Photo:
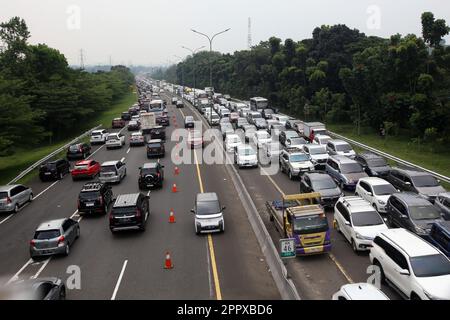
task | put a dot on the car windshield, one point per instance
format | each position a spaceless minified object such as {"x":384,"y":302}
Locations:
{"x":343,"y":147}
{"x":267,"y":111}
{"x":323,"y":184}
{"x":365,"y":219}
{"x":298,"y":158}
{"x":425,"y":181}
{"x":283,"y":119}
{"x":108,"y":169}
{"x":291,"y":134}
{"x":351,"y":168}
{"x":434,"y":265}
{"x":247,"y":152}
{"x":46,"y":234}
{"x":298,"y":141}
{"x":263,"y":135}
{"x":379,"y":162}
{"x":424,"y":212}
{"x":318,"y":150}
{"x":310,"y":224}
{"x":91,"y":195}
{"x":384,"y":189}
{"x":3,"y":195}
{"x":208,"y":207}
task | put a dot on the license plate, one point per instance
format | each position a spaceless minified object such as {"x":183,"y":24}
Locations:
{"x":89,"y":204}
{"x":312,"y":250}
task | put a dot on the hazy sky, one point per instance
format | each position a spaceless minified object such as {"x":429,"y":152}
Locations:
{"x":152,"y":31}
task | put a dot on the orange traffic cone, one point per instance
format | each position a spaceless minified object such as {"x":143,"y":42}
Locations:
{"x":174,"y":188}
{"x":168,"y":262}
{"x":176,"y":171}
{"x":171,"y":217}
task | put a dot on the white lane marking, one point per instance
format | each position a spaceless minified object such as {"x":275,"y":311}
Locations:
{"x":128,"y":151}
{"x":122,"y":160}
{"x":46,"y":189}
{"x":119,"y":280}
{"x":16,"y":276}
{"x":7,"y":218}
{"x":41,"y":268}
{"x":148,"y":193}
{"x":74,"y":214}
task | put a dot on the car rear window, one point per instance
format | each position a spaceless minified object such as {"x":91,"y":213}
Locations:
{"x":108,"y":169}
{"x":123,"y":210}
{"x":89,"y":195}
{"x":3,"y":195}
{"x":46,"y":234}
{"x":113,"y":137}
{"x":154,"y":145}
{"x":74,"y":148}
{"x":96,"y":134}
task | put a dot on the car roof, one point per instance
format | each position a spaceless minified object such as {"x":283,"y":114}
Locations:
{"x":51,"y":224}
{"x":412,"y":245}
{"x":355,"y":203}
{"x":412,"y":173}
{"x":207,"y":196}
{"x":150,"y":165}
{"x":342,"y":159}
{"x":83,"y":162}
{"x":363,"y":291}
{"x":322,"y":136}
{"x":92,"y":186}
{"x":110,"y":163}
{"x":412,"y":199}
{"x":369,"y":155}
{"x":124,"y":200}
{"x":8,"y":187}
{"x":374,"y":181}
{"x":318,"y":175}
{"x":337,"y":141}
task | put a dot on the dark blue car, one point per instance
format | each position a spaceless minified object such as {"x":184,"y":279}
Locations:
{"x":440,"y":236}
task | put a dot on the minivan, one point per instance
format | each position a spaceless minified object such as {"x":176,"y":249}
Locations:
{"x":208,"y":213}
{"x":346,"y":172}
{"x":129,"y":212}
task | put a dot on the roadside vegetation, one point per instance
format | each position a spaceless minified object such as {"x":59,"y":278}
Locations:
{"x":399,"y":85}
{"x":44,"y":103}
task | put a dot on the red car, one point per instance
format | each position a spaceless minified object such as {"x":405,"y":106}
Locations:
{"x":85,"y":169}
{"x":118,"y":123}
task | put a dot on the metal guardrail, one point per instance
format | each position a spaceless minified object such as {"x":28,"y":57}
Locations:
{"x":51,"y":155}
{"x":391,"y":157}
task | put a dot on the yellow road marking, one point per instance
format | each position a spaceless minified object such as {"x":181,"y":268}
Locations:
{"x":340,"y":267}
{"x":210,"y":240}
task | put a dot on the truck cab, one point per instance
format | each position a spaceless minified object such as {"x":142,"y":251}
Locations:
{"x":300,"y":218}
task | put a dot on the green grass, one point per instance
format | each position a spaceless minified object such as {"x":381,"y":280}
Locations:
{"x":401,"y":147}
{"x":12,"y":165}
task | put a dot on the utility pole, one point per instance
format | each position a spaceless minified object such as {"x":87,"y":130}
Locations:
{"x":193,"y":67}
{"x":182,"y":73}
{"x":81,"y":60}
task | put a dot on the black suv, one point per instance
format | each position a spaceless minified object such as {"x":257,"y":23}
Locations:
{"x":373,"y":164}
{"x":126,"y":116}
{"x":158,"y":132}
{"x":163,"y":120}
{"x":130,"y":211}
{"x":151,"y":175}
{"x":78,"y":151}
{"x":95,"y":197}
{"x":155,"y":148}
{"x":54,"y":169}
{"x":410,"y":211}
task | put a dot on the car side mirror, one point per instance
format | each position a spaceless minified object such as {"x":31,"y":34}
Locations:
{"x":408,"y":183}
{"x":404,"y":272}
{"x":223,"y":208}
{"x":347,"y":223}
{"x":192,"y":210}
{"x":385,"y":219}
{"x":370,"y":194}
{"x":403,"y":216}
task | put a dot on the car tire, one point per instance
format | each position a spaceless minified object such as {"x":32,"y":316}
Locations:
{"x":67,"y":251}
{"x":382,"y":275}
{"x":16,"y":208}
{"x":60,"y":176}
{"x":291,"y":177}
{"x":354,"y":247}
{"x":197,"y":232}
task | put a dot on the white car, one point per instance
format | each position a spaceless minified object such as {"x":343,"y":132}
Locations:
{"x":213,"y":119}
{"x":281,"y":119}
{"x":296,"y":142}
{"x":321,"y":139}
{"x":340,"y":148}
{"x":112,"y":172}
{"x":261,"y":137}
{"x":232,"y":141}
{"x":358,"y":221}
{"x":137,"y":139}
{"x":376,"y":191}
{"x":115,"y":140}
{"x":359,"y":291}
{"x":98,"y":136}
{"x":409,"y":263}
{"x":245,"y":156}
{"x":318,"y":154}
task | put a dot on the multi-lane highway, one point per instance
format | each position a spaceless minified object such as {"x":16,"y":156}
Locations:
{"x":316,"y":277}
{"x":129,"y":265}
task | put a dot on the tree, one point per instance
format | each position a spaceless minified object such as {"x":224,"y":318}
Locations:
{"x":433,"y":30}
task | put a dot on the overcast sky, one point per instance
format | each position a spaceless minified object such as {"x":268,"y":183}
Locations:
{"x":151,"y":32}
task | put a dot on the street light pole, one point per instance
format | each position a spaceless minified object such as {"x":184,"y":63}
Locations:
{"x":182,"y":73}
{"x":193,"y":66}
{"x":210,"y":39}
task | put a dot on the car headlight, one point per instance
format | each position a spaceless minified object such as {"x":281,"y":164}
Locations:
{"x":358,"y":236}
{"x":374,"y":173}
{"x":381,"y":202}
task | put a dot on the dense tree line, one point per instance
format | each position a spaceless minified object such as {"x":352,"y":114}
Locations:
{"x":341,"y":75}
{"x":41,"y":97}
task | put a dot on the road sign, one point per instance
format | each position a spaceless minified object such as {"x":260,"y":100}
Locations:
{"x":287,"y":248}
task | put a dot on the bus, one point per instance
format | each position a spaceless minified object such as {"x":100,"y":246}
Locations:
{"x":258,"y":103}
